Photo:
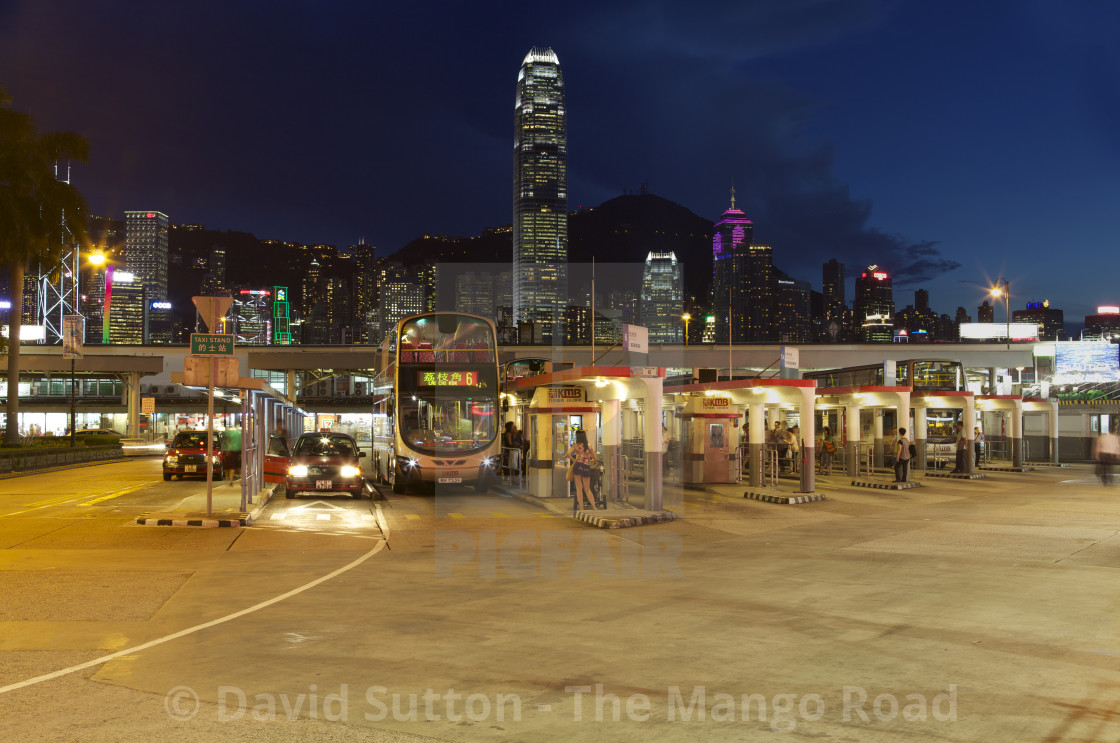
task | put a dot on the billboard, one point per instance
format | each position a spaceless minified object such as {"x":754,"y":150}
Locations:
{"x":1020,"y":331}
{"x":1078,"y":362}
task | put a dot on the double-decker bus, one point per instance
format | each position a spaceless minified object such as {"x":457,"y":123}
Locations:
{"x":921,"y":375}
{"x":435,"y":403}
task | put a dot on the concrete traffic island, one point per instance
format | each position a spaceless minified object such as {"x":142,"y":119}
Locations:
{"x":957,"y":475}
{"x":622,"y":518}
{"x":1046,"y":464}
{"x":1006,"y":468}
{"x":774,"y":497}
{"x":222,"y":513}
{"x":886,"y":485}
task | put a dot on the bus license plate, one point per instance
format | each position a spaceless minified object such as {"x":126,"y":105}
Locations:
{"x":190,"y":468}
{"x":322,"y":484}
{"x":449,"y":480}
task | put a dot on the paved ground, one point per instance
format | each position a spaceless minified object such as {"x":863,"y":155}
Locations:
{"x":960,"y":611}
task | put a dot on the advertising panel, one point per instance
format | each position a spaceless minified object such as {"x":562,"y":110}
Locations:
{"x":1077,"y":362}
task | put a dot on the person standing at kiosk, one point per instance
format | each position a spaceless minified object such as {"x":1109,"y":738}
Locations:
{"x":582,"y":456}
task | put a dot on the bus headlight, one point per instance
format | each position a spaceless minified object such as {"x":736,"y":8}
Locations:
{"x":490,"y":462}
{"x":406,"y":463}
{"x":298,"y":470}
{"x":349,"y":471}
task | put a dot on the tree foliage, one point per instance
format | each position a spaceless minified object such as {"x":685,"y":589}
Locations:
{"x":40,"y":216}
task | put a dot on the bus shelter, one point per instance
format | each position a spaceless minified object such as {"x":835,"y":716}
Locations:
{"x":609,"y":403}
{"x":1014,"y":407}
{"x":852,"y":402}
{"x":923,"y":402}
{"x":1050,"y":409}
{"x":709,"y":415}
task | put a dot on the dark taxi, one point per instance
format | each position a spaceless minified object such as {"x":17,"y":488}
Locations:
{"x":186,"y":455}
{"x":325,"y":463}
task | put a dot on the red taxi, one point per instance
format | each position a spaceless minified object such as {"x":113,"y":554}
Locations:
{"x":186,"y":455}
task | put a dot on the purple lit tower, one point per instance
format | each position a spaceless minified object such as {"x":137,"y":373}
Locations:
{"x":731,"y":240}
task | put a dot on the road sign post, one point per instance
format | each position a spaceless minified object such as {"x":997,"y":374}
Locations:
{"x":212,"y":310}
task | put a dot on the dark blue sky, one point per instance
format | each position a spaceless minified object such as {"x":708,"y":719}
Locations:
{"x":949,"y":142}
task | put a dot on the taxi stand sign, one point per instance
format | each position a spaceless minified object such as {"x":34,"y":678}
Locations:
{"x":211,"y":344}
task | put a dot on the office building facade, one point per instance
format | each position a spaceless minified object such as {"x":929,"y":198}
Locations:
{"x":145,"y":257}
{"x":662,"y":300}
{"x":873,"y":309}
{"x":540,"y":194}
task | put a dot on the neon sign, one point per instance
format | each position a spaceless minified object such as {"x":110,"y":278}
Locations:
{"x":150,"y":215}
{"x":447,"y":379}
{"x":880,"y":275}
{"x":1108,"y":309}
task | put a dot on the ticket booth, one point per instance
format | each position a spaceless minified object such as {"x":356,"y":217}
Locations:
{"x":710,"y":439}
{"x":555,"y":414}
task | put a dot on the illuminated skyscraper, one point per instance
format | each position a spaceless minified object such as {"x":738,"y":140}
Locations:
{"x":540,"y":194}
{"x":731,"y":240}
{"x":145,"y":256}
{"x":663,"y":298}
{"x":874,"y":305}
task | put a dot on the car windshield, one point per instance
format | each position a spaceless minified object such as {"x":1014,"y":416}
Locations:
{"x":325,"y":446}
{"x":191,"y":440}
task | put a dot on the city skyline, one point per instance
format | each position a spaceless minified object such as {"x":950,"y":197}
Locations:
{"x":847,"y":128}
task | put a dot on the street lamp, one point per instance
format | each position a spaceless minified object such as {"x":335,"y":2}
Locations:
{"x":686,"y":317}
{"x":1004,"y":292}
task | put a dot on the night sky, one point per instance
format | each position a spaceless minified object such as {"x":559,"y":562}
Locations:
{"x":949,"y":142}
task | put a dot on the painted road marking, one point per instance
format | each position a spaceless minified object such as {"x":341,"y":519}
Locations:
{"x":323,"y":516}
{"x":412,"y":517}
{"x":367,"y":517}
{"x":500,"y":515}
{"x":279,"y":516}
{"x":456,"y":515}
{"x":198,"y":627}
{"x":116,"y":494}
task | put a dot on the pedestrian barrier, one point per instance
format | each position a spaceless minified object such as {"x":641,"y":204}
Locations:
{"x":512,"y":471}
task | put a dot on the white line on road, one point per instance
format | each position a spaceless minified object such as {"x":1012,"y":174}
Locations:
{"x":198,"y":627}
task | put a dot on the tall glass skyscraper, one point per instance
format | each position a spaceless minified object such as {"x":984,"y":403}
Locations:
{"x":663,"y":298}
{"x":540,"y":195}
{"x":145,"y":255}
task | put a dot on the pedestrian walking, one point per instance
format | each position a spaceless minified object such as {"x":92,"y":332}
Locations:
{"x":902,"y":457}
{"x":962,"y":450}
{"x":231,"y":454}
{"x":1106,"y":450}
{"x":978,"y":444}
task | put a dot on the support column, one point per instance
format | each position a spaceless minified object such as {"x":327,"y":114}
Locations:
{"x":808,"y":439}
{"x":902,"y":415}
{"x":877,"y":428}
{"x":756,"y":440}
{"x":992,"y":380}
{"x":612,"y":445}
{"x":293,"y":385}
{"x":1052,"y":424}
{"x":1017,"y":434}
{"x":651,"y":442}
{"x":852,"y":447}
{"x":969,"y":424}
{"x":920,"y":429}
{"x":134,"y":404}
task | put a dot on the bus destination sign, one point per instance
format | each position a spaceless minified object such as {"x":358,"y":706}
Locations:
{"x":447,"y":378}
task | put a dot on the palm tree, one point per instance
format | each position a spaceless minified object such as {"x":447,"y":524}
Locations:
{"x":38,"y":213}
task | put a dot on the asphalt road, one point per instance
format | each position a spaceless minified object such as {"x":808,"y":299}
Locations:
{"x":959,"y":611}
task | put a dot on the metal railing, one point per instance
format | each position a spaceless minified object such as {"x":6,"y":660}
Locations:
{"x":512,"y":471}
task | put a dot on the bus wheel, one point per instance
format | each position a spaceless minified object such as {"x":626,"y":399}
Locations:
{"x":398,"y":486}
{"x":480,"y":486}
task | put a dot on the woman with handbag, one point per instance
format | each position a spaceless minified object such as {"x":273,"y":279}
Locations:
{"x":581,"y":455}
{"x":828,"y":449}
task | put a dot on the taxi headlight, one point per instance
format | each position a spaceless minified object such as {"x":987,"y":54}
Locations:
{"x":298,"y":470}
{"x":350,"y":471}
{"x":172,"y":459}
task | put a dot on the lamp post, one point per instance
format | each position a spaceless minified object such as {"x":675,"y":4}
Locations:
{"x":686,"y":317}
{"x":1004,"y":292}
